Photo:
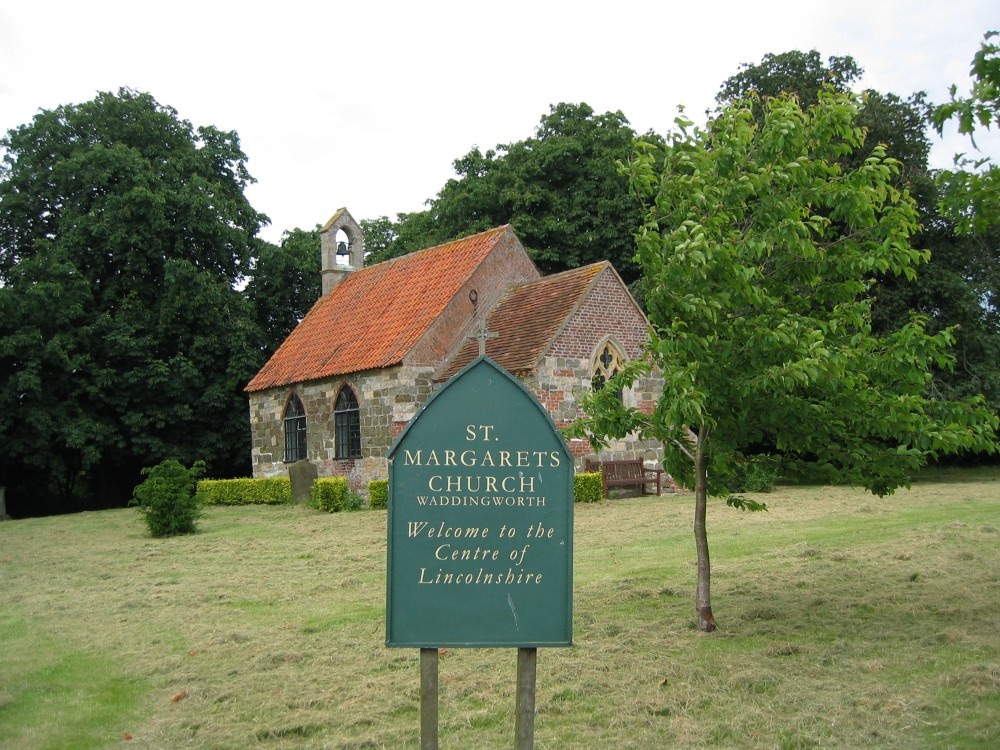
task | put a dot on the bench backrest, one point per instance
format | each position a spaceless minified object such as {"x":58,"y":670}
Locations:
{"x":626,"y":469}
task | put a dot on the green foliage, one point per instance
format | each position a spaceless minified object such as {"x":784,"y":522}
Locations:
{"x":167,"y":499}
{"x":753,"y":474}
{"x":333,"y":494}
{"x":284,"y":284}
{"x":958,"y":287}
{"x":353,"y":501}
{"x":587,"y":487}
{"x":378,"y":494}
{"x":801,"y":73}
{"x":743,"y":503}
{"x":969,"y":193}
{"x":245,"y":491}
{"x":561,"y":190}
{"x":381,"y":236}
{"x":123,"y":232}
{"x":759,"y":249}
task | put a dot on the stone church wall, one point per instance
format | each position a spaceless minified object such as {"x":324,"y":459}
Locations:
{"x":387,"y":400}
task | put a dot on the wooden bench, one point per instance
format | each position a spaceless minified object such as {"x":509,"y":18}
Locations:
{"x":629,"y":472}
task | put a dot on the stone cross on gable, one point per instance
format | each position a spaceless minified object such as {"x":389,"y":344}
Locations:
{"x":482,"y":336}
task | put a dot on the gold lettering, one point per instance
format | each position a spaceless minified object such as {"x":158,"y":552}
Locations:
{"x":445,"y":553}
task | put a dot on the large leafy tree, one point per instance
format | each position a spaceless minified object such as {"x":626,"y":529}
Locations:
{"x":561,"y":190}
{"x":804,"y":74}
{"x":123,"y":341}
{"x":759,"y":249}
{"x":967,"y":291}
{"x":284,"y":283}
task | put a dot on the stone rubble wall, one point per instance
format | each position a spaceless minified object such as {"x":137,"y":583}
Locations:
{"x":387,"y":400}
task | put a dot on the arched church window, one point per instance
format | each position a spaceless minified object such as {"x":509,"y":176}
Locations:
{"x":609,"y":362}
{"x":347,"y":425}
{"x":295,"y":430}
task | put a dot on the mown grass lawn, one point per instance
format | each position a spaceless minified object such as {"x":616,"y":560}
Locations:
{"x":846,"y":621}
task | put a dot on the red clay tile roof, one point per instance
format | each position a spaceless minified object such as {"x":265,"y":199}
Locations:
{"x":528,"y":318}
{"x":375,"y":315}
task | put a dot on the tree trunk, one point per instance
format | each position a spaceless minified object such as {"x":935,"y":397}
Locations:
{"x":703,"y":596}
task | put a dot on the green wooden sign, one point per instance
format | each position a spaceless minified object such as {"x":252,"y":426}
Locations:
{"x":480,"y":531}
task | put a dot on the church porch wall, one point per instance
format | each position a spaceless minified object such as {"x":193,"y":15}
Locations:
{"x":588,"y":327}
{"x":560,"y":383}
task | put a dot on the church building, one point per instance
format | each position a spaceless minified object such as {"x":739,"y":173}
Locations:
{"x":378,"y":342}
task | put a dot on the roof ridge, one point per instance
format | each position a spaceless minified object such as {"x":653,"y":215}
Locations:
{"x":441,"y":246}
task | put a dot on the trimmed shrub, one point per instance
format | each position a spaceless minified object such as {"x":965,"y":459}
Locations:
{"x":332,"y":494}
{"x":168,"y":499}
{"x":266,"y":491}
{"x":378,"y":494}
{"x":587,"y":487}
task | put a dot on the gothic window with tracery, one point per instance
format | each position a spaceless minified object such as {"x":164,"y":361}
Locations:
{"x":608,"y":363}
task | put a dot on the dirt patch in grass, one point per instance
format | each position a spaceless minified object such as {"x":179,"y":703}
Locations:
{"x":846,"y":621}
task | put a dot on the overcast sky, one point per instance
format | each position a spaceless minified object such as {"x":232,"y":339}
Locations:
{"x":366,"y":104}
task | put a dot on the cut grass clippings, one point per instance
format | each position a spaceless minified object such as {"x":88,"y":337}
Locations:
{"x":845,"y":621}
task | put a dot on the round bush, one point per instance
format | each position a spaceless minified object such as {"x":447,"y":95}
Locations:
{"x":167,"y":499}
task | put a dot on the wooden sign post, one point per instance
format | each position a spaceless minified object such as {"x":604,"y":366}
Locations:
{"x":480,"y":532}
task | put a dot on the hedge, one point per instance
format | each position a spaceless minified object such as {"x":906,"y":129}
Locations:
{"x":588,"y":487}
{"x":267,"y":491}
{"x":378,"y":494}
{"x":333,"y":494}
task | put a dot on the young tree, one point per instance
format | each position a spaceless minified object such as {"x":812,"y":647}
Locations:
{"x":123,"y":232}
{"x":758,"y":250}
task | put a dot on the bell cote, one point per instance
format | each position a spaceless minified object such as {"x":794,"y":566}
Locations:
{"x":342,"y":246}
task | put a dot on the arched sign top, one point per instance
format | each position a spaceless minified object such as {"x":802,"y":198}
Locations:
{"x":486,"y":388}
{"x":480,"y":531}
